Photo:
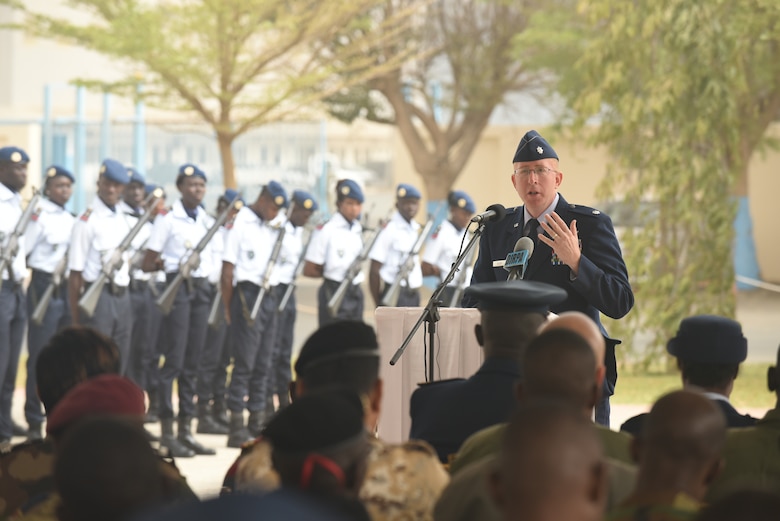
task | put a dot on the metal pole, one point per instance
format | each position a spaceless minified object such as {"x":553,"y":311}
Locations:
{"x":80,"y":147}
{"x":139,"y":132}
{"x":105,"y":127}
{"x":47,"y":134}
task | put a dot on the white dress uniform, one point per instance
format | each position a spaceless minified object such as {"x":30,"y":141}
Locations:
{"x":391,"y":250}
{"x":442,"y":250}
{"x":13,"y":315}
{"x":47,"y":240}
{"x":334,"y":246}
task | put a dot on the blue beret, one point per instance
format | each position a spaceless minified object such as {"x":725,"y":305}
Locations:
{"x":463,"y":200}
{"x":709,"y":339}
{"x":230,"y":195}
{"x":532,"y":148}
{"x":305,"y":199}
{"x":277,"y":193}
{"x":151,"y":187}
{"x":189,"y":170}
{"x":349,"y":188}
{"x":13,"y":155}
{"x":114,"y":171}
{"x":407,"y":191}
{"x":135,"y":176}
{"x":516,"y":295}
{"x":54,"y":171}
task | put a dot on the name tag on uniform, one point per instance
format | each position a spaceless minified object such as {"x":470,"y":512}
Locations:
{"x":499,"y":263}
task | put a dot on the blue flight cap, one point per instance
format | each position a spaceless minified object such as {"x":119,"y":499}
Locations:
{"x":114,"y":171}
{"x":532,"y":148}
{"x":709,"y":339}
{"x":349,"y":188}
{"x":13,"y":155}
{"x":277,"y":193}
{"x":135,"y":176}
{"x":54,"y":171}
{"x":305,"y":199}
{"x":407,"y":191}
{"x":461,"y":199}
{"x":516,"y":295}
{"x":190,"y":170}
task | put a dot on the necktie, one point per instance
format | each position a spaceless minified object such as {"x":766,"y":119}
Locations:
{"x":532,"y":230}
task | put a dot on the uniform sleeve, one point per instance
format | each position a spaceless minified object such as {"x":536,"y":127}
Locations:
{"x":433,"y":249}
{"x":603,"y":278}
{"x":382,"y":245}
{"x":159,"y":235}
{"x":318,"y":247}
{"x":232,"y":244}
{"x":32,"y":234}
{"x":80,"y":240}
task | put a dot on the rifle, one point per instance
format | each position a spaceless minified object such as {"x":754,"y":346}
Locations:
{"x":391,"y":295}
{"x":354,"y":269}
{"x":215,"y":317}
{"x":12,"y":246}
{"x":89,"y":299}
{"x":43,"y":303}
{"x":165,"y":301}
{"x":296,"y":274}
{"x":458,"y":293}
{"x":264,"y":285}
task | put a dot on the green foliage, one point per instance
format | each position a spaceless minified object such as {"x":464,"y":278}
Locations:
{"x":681,"y":94}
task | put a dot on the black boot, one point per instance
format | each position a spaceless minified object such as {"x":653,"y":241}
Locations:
{"x":219,"y":410}
{"x":284,"y":399}
{"x":35,"y":433}
{"x":238,"y":432}
{"x":206,"y":422}
{"x":153,"y":413}
{"x":169,"y":442}
{"x":256,"y":422}
{"x":270,"y":409}
{"x":188,"y":440}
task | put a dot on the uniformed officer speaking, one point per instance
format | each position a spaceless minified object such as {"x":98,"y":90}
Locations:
{"x":13,"y":313}
{"x":247,"y":252}
{"x":334,"y":247}
{"x":46,"y":244}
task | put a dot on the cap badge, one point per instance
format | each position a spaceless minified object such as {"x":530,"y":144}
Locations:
{"x":461,"y":203}
{"x":189,"y":170}
{"x":16,"y":157}
{"x":279,"y":200}
{"x":103,"y":169}
{"x":308,"y":203}
{"x":129,"y":173}
{"x":401,"y":192}
{"x":539,"y":150}
{"x":345,"y":190}
{"x":51,"y":172}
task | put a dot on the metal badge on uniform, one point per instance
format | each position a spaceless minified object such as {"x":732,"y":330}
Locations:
{"x":340,"y":253}
{"x":250,"y":254}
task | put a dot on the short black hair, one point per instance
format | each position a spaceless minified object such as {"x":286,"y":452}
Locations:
{"x":708,"y":375}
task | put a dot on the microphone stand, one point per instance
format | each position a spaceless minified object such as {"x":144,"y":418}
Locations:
{"x":431,"y":313}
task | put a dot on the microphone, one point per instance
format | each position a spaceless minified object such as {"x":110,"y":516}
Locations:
{"x":494,"y":212}
{"x":517,"y":261}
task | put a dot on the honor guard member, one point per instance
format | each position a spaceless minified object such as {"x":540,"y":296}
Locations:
{"x":443,"y":247}
{"x":333,"y":248}
{"x":13,"y":305}
{"x":576,"y":248}
{"x":212,"y":369}
{"x":301,"y":209}
{"x":446,"y":412}
{"x":96,"y":234}
{"x":247,"y":252}
{"x":393,"y":246}
{"x":173,"y":238}
{"x":46,"y":241}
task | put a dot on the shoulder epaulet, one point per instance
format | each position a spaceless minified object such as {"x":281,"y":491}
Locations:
{"x":320,"y":226}
{"x":229,"y":225}
{"x":512,"y":210}
{"x":584,"y":210}
{"x":164,"y":210}
{"x":437,"y":382}
{"x":85,"y":216}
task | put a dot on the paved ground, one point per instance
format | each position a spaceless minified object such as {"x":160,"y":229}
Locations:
{"x":759,"y":312}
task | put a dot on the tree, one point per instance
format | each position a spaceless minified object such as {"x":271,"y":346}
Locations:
{"x":442,"y":101}
{"x":682,"y":93}
{"x":236,"y":64}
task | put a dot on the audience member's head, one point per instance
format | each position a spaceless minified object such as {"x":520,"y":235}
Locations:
{"x":773,"y":378}
{"x":103,"y":395}
{"x":344,"y":354}
{"x":72,"y":356}
{"x":583,"y":325}
{"x":709,"y":350}
{"x":106,"y":469}
{"x":753,"y":505}
{"x":679,"y":448}
{"x":320,"y":445}
{"x":551,"y":466}
{"x":560,"y":365}
{"x":511,"y":313}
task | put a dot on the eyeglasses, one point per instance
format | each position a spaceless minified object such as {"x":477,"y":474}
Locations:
{"x":540,"y":171}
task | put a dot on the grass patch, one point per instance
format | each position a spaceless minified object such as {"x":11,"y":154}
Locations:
{"x":750,"y":388}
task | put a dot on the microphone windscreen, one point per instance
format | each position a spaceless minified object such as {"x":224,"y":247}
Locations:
{"x":500,"y":211}
{"x":525,"y":243}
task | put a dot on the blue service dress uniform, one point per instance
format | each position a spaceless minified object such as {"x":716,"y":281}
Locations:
{"x":47,"y":239}
{"x":602,"y":282}
{"x":391,"y":249}
{"x":13,"y":312}
{"x":335,"y":245}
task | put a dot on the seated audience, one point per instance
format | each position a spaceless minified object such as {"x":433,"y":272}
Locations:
{"x":748,"y":505}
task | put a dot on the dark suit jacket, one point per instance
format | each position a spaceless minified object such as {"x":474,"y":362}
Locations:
{"x":733,"y":419}
{"x":602,"y":282}
{"x":447,"y":412}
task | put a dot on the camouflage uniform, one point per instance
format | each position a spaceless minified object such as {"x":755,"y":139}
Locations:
{"x":402,"y":482}
{"x":25,"y":473}
{"x":683,"y":508}
{"x":488,"y":441}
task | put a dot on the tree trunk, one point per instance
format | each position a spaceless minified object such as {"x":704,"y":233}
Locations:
{"x":225,"y":142}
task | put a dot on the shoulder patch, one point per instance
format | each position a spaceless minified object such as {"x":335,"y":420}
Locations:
{"x":85,"y":216}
